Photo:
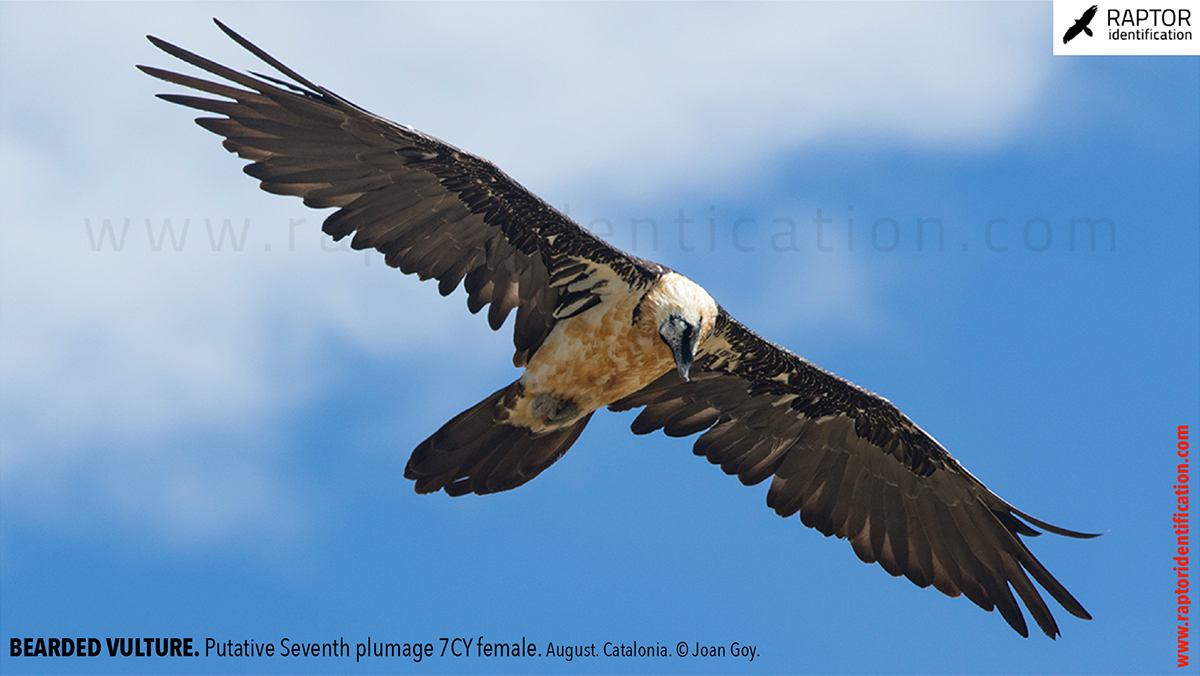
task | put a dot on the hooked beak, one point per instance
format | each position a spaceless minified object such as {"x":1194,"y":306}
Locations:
{"x":683,"y":359}
{"x":679,"y":336}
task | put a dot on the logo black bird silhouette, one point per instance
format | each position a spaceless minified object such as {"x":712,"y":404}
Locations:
{"x":598,"y":327}
{"x":1081,"y":25}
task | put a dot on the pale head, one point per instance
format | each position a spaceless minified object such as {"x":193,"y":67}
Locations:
{"x":684,"y":315}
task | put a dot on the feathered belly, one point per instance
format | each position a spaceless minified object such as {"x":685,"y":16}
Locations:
{"x":589,"y":361}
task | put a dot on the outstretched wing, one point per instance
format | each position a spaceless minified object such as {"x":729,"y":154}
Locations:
{"x":853,"y":466}
{"x":430,"y":208}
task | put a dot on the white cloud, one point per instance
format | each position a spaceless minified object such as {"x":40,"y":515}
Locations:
{"x":108,"y":359}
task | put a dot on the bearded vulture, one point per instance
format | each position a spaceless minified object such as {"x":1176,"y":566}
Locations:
{"x":598,"y":327}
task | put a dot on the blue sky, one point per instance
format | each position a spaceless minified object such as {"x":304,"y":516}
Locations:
{"x":210,"y":443}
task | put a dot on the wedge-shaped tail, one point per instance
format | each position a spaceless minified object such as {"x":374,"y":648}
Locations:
{"x":475,"y":453}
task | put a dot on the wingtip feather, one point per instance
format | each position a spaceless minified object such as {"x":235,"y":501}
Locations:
{"x":1051,"y":528}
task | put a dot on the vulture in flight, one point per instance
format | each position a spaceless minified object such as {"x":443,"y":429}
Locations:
{"x":598,"y":327}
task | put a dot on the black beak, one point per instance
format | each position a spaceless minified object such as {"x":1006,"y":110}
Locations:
{"x":683,"y":358}
{"x":680,"y":336}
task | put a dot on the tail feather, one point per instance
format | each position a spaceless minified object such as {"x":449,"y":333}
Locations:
{"x":472,"y":453}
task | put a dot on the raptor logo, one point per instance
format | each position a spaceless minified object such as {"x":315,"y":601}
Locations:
{"x":1081,"y":25}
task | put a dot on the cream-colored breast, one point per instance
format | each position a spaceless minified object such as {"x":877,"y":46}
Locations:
{"x":602,"y":355}
{"x":593,"y":359}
